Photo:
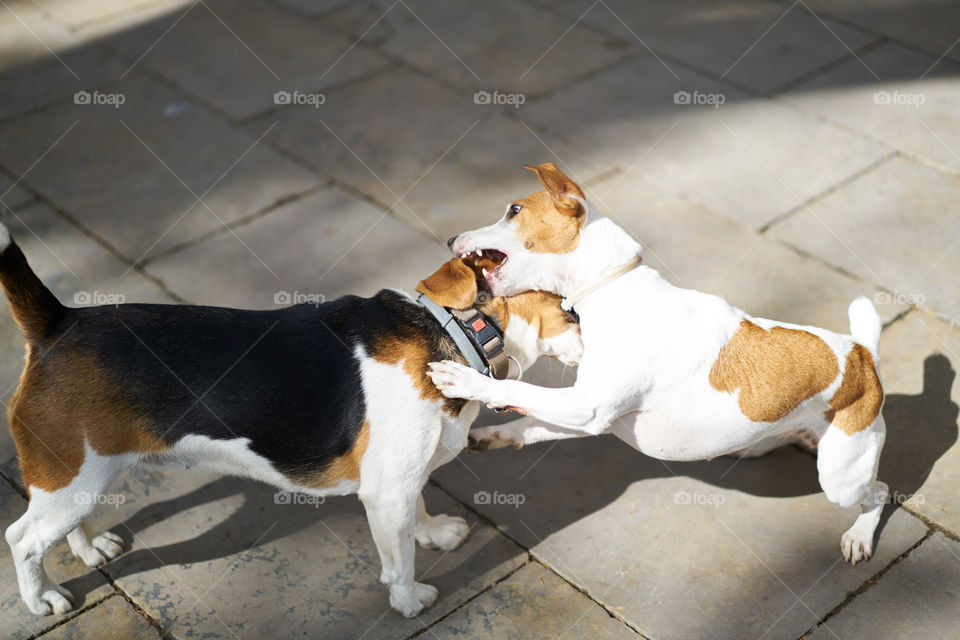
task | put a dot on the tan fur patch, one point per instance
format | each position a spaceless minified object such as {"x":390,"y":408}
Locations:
{"x":774,"y":370}
{"x":857,"y":402}
{"x":345,"y":467}
{"x":547,"y":225}
{"x":56,"y":408}
{"x":538,"y":309}
{"x":414,"y":352}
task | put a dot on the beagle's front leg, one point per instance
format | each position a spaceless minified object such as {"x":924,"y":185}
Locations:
{"x":567,"y":407}
{"x":519,"y":432}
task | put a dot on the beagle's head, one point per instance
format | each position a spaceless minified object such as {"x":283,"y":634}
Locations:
{"x":532,"y":322}
{"x":526,"y":246}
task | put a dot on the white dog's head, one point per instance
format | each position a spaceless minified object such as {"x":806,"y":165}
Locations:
{"x":530,"y":243}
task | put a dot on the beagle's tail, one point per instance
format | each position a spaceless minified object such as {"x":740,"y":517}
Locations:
{"x":865,"y":324}
{"x":34,"y":308}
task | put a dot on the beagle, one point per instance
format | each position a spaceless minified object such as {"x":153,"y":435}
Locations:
{"x":327,"y":399}
{"x":676,"y":373}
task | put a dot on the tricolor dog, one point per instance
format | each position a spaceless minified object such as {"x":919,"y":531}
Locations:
{"x":327,"y":399}
{"x":678,"y":374}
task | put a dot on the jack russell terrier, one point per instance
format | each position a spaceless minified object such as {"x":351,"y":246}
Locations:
{"x":327,"y":399}
{"x":676,"y":373}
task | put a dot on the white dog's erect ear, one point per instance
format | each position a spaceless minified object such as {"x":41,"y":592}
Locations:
{"x":453,"y":285}
{"x":557,"y":183}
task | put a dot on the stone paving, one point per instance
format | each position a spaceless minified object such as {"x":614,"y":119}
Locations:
{"x":786,"y":155}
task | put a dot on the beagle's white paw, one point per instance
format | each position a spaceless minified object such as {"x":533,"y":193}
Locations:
{"x":410,"y":600}
{"x":442,"y":532}
{"x":52,"y":598}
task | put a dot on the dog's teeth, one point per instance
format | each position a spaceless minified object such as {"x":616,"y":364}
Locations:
{"x":484,"y":272}
{"x":479,"y":253}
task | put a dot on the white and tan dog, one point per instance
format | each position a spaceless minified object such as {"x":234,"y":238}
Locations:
{"x":676,"y":373}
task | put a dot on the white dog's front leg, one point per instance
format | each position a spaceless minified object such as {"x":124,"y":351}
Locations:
{"x":566,"y":407}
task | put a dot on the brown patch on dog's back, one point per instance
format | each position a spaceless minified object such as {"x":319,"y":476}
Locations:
{"x":62,"y":402}
{"x":858,"y":401}
{"x":345,"y":467}
{"x":774,"y":370}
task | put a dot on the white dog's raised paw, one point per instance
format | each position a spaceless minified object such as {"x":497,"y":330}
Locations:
{"x":457,"y":381}
{"x":410,"y":600}
{"x":442,"y":532}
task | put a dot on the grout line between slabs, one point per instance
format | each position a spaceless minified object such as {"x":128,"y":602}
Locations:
{"x":74,"y":613}
{"x":870,"y":582}
{"x":532,"y":558}
{"x":830,"y":190}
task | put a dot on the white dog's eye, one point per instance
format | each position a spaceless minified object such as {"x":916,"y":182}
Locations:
{"x":513,"y":210}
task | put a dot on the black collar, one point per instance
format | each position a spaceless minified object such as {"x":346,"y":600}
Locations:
{"x":478,"y":339}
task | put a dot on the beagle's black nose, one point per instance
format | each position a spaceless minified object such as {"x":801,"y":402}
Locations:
{"x":451,"y":241}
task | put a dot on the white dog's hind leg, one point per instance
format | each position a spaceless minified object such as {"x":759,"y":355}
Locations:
{"x":520,"y":432}
{"x":440,"y":531}
{"x":847,"y":465}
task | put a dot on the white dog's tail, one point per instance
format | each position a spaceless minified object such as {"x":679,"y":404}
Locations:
{"x":865,"y":324}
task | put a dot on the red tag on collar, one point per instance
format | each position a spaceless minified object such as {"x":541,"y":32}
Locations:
{"x":478,"y":324}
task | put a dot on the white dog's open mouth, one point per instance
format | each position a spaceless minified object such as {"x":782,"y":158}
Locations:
{"x":484,"y":262}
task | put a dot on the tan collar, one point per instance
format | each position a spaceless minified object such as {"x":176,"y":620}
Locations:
{"x":570,"y":301}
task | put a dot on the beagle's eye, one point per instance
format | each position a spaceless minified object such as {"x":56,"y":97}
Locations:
{"x":513,"y":210}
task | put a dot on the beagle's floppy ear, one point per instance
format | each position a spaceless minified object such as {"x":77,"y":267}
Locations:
{"x":567,"y":193}
{"x":453,"y":285}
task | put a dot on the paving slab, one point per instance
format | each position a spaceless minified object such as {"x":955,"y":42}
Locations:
{"x":119,"y":169}
{"x":449,"y":161}
{"x":930,"y":25}
{"x":923,"y":584}
{"x":113,"y":619}
{"x":318,"y":248}
{"x":494,"y":46}
{"x":103,"y":15}
{"x":754,"y":540}
{"x":760,"y":45}
{"x":531,"y":604}
{"x":13,"y":193}
{"x":895,"y":94}
{"x":693,"y":246}
{"x":79,"y":271}
{"x":236,"y":55}
{"x":919,"y":359}
{"x":895,"y":227}
{"x":87,"y":585}
{"x":221,"y":557}
{"x":747,"y":158}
